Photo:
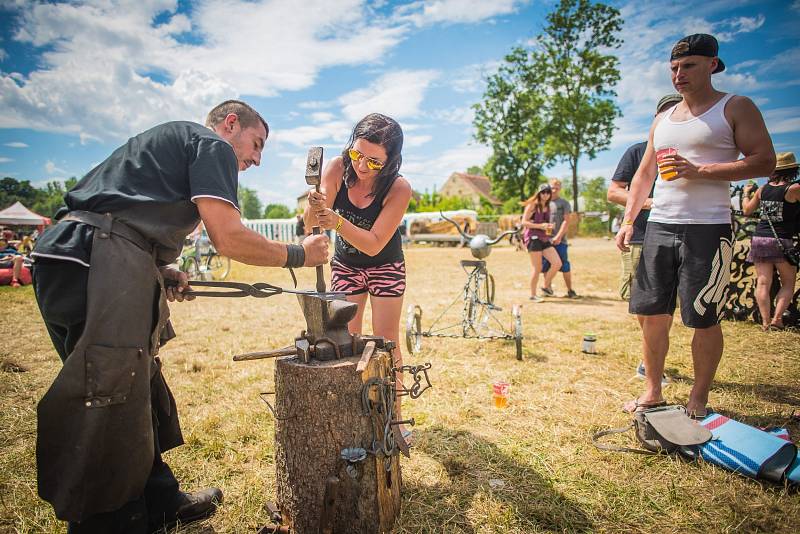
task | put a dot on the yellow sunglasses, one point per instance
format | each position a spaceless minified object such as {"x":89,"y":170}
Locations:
{"x":372,"y":163}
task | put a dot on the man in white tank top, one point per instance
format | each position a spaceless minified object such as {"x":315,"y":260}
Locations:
{"x":693,"y":151}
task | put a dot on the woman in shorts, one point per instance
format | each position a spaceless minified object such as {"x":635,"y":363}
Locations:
{"x":779,"y":199}
{"x":538,"y":231}
{"x":363,"y":197}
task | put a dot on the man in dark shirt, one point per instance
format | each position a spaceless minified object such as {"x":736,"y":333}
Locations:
{"x":99,"y":282}
{"x":618,"y":194}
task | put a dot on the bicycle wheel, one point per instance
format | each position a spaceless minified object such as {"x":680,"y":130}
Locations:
{"x":517,"y":331}
{"x":414,"y":329}
{"x":488,"y":288}
{"x":191,"y":268}
{"x":218,"y":267}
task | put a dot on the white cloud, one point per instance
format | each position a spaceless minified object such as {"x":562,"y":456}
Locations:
{"x":471,"y":78}
{"x":5,"y":160}
{"x":796,"y":5}
{"x":428,"y":12}
{"x":397,"y":94}
{"x":411,"y":141}
{"x":322,"y":116}
{"x":433,"y":169}
{"x":3,"y":54}
{"x":336,"y":131}
{"x":94,"y":80}
{"x":52,"y":169}
{"x":462,"y":115}
{"x":16,"y":144}
{"x":783,"y":120}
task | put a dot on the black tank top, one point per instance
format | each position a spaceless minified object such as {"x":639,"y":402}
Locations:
{"x":364,"y":218}
{"x":784,"y":215}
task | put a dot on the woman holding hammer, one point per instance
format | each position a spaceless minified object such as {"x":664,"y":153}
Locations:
{"x":363,"y":197}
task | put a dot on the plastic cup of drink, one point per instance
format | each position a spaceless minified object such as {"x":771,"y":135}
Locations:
{"x":667,"y":172}
{"x":500,"y":394}
{"x":548,"y":229}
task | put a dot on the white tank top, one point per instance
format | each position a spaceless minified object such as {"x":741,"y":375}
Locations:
{"x":705,"y":139}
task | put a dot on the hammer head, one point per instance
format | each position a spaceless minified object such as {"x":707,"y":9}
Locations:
{"x":314,"y":166}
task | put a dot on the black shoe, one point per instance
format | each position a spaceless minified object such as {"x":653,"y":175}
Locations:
{"x":548,"y":292}
{"x":572,"y":295}
{"x":198,"y":505}
{"x":193,"y":507}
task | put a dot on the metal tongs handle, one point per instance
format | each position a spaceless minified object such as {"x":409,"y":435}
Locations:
{"x":258,"y":290}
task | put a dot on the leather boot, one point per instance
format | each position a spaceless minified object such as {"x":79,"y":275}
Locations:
{"x":193,"y":507}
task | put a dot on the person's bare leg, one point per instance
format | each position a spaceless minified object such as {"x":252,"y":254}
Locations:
{"x":788,"y":275}
{"x":16,"y":273}
{"x":555,"y":265}
{"x":355,"y":324}
{"x":707,"y":345}
{"x":386,"y":312}
{"x":763,"y":285}
{"x":655,"y":345}
{"x":568,"y":280}
{"x":536,"y":268}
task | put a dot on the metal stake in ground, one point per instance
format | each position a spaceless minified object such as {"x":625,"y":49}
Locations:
{"x":314,"y":177}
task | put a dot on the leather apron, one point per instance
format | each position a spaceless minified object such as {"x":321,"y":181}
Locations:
{"x":95,"y":428}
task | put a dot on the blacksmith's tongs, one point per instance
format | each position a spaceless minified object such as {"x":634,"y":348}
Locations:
{"x":258,"y":290}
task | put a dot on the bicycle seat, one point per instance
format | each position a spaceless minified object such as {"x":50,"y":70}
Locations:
{"x":473,"y":263}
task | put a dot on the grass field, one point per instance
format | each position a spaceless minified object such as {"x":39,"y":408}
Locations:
{"x":474,"y":468}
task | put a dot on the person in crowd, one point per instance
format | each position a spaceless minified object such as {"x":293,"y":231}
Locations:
{"x":561,"y":211}
{"x":26,"y":245}
{"x":101,"y":279}
{"x":299,"y":229}
{"x":537,"y":237}
{"x":694,"y":148}
{"x":363,"y":198}
{"x":618,"y":194}
{"x":779,"y":200}
{"x":11,"y":258}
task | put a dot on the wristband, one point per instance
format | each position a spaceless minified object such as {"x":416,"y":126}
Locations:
{"x":627,"y":223}
{"x":295,"y":256}
{"x":339,"y":224}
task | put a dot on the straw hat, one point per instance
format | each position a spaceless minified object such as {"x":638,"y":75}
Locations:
{"x":785,"y":160}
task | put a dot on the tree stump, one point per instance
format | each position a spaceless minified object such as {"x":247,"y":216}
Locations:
{"x":319,"y":413}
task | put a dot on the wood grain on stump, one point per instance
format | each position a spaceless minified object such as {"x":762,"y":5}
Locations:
{"x":320,"y":414}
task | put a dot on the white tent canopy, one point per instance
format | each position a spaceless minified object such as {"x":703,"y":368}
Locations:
{"x":19,"y":214}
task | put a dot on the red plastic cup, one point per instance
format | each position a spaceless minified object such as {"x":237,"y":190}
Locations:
{"x":500,"y":394}
{"x":664,"y":169}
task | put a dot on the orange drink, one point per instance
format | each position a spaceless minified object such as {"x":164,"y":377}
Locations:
{"x":664,"y":169}
{"x":500,"y":394}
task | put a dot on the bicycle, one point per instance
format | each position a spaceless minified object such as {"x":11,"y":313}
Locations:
{"x":477,"y":319}
{"x":200,"y":261}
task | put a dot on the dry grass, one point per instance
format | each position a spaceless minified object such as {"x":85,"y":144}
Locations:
{"x":552,"y":477}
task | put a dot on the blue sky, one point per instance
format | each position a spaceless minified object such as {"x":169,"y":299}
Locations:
{"x":78,"y":78}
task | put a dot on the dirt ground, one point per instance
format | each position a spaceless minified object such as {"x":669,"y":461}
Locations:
{"x":474,"y":468}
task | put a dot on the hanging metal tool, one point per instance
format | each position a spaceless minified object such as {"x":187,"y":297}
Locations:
{"x":258,"y":290}
{"x":314,"y":177}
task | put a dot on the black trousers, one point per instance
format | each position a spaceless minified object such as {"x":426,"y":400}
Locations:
{"x":60,"y":288}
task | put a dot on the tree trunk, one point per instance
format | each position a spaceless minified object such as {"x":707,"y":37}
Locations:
{"x":575,"y":192}
{"x":319,"y":410}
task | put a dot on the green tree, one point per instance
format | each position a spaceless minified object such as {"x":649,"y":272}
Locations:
{"x":513,"y":120}
{"x":13,"y":190}
{"x":249,"y":203}
{"x":277,"y":211}
{"x":581,"y":73}
{"x":475,"y":169}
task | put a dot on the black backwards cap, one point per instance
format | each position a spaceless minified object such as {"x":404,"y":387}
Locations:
{"x":699,"y":44}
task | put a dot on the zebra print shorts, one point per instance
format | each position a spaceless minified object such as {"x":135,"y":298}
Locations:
{"x":387,"y":280}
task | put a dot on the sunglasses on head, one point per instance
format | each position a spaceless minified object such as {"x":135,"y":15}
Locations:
{"x":372,"y":163}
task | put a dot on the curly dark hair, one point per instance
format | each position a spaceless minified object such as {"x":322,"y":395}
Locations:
{"x":386,"y":132}
{"x":784,"y":175}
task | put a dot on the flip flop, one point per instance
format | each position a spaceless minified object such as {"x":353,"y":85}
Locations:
{"x":697,"y":416}
{"x":634,"y":405}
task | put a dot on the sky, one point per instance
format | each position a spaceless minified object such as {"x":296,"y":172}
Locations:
{"x":79,"y":78}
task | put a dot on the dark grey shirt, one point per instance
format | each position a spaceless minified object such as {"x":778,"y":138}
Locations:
{"x":149,"y":183}
{"x":626,"y":168}
{"x":562,"y":209}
